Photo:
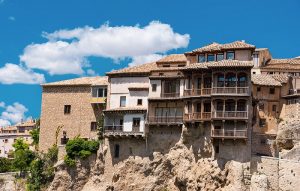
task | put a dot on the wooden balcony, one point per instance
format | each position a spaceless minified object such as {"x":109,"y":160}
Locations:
{"x":117,"y":131}
{"x":165,"y":120}
{"x":197,"y":116}
{"x":230,"y":91}
{"x":229,"y":134}
{"x":229,"y":115}
{"x":197,"y":92}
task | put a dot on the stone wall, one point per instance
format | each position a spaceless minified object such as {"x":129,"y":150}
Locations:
{"x":281,"y":174}
{"x":78,"y":122}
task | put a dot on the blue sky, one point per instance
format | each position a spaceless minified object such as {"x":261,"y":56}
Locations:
{"x":32,"y":52}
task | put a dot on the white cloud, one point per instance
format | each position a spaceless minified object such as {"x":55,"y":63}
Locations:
{"x":13,"y":114}
{"x":66,"y":51}
{"x":136,"y":60}
{"x":2,"y":104}
{"x":12,"y":74}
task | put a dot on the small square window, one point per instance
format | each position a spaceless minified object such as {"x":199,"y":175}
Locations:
{"x":6,"y":141}
{"x":272,"y":90}
{"x":139,"y":102}
{"x":258,"y":89}
{"x":154,"y":86}
{"x":230,"y":55}
{"x":136,"y":122}
{"x":93,"y":126}
{"x":67,"y":109}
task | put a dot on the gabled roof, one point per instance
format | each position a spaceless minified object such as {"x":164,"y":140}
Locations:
{"x":173,"y":58}
{"x":268,"y":80}
{"x":219,"y":64}
{"x":283,"y":64}
{"x":228,"y":46}
{"x":97,"y":80}
{"x":140,"y":69}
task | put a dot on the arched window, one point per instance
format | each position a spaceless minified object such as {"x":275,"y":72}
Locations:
{"x":230,"y":105}
{"x":242,"y":80}
{"x":220,"y":104}
{"x":230,"y":80}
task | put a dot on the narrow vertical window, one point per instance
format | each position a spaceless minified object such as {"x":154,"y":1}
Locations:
{"x":154,"y":86}
{"x":122,"y":101}
{"x":67,"y":109}
{"x":117,"y":151}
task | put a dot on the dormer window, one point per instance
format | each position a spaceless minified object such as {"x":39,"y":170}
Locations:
{"x":201,"y":58}
{"x":220,"y":56}
{"x":230,"y":55}
{"x":210,"y":58}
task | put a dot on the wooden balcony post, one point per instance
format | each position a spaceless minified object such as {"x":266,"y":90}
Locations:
{"x":223,"y":107}
{"x":235,"y":109}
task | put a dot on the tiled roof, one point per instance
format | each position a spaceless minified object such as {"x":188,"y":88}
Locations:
{"x":282,"y":78}
{"x":143,"y":68}
{"x":264,"y":80}
{"x":98,"y":80}
{"x":173,"y":58}
{"x":9,"y":128}
{"x":26,"y":124}
{"x":217,"y":47}
{"x":222,"y":63}
{"x":283,"y":64}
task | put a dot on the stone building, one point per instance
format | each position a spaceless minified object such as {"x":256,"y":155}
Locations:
{"x":71,"y":108}
{"x":8,"y":136}
{"x":268,"y":93}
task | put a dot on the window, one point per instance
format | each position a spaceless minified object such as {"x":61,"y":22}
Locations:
{"x":122,"y":101}
{"x":217,"y":149}
{"x":274,"y":108}
{"x":136,"y":122}
{"x":6,"y":141}
{"x":117,"y":151}
{"x":67,"y":109}
{"x":210,"y":57}
{"x":262,"y":122}
{"x":99,"y":92}
{"x":130,"y":151}
{"x":121,"y":122}
{"x":258,"y":89}
{"x":220,"y":56}
{"x":201,"y":58}
{"x":154,"y":86}
{"x":21,"y":129}
{"x":263,"y":141}
{"x":93,"y":126}
{"x":272,"y":90}
{"x":139,"y":102}
{"x":230,"y":55}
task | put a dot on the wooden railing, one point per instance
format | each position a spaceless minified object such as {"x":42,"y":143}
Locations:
{"x":222,"y":133}
{"x":197,"y":92}
{"x":169,"y":95}
{"x":113,"y":128}
{"x":197,"y":116}
{"x":164,"y":119}
{"x":230,"y":90}
{"x":230,"y":114}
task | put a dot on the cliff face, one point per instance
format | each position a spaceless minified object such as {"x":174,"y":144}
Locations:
{"x":288,"y":139}
{"x":176,"y":170}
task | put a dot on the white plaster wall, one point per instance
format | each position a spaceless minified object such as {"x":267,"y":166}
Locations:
{"x":10,"y":141}
{"x":158,"y":88}
{"x":121,"y":84}
{"x":135,"y":95}
{"x":128,"y":118}
{"x":243,"y":55}
{"x":181,"y":88}
{"x":115,"y":100}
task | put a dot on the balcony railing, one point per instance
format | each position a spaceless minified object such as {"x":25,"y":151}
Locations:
{"x":197,"y":92}
{"x":294,"y":91}
{"x":222,"y":133}
{"x":170,"y":95}
{"x":113,"y":128}
{"x":165,"y":119}
{"x":230,"y":90}
{"x":230,"y":114}
{"x":197,"y":116}
{"x":117,"y":130}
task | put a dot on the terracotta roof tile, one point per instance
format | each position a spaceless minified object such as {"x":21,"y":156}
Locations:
{"x":173,"y":58}
{"x":283,"y":64}
{"x":222,"y":63}
{"x":282,"y":78}
{"x":143,"y":68}
{"x":217,"y":47}
{"x":97,"y":80}
{"x":264,"y":80}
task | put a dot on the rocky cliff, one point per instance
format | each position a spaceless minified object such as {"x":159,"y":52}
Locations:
{"x":176,"y":170}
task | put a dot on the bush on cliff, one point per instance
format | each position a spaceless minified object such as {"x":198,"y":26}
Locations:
{"x":79,"y":148}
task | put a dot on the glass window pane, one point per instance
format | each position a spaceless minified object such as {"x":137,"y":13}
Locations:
{"x":230,"y":55}
{"x":201,"y":58}
{"x":210,"y":57}
{"x":220,"y":56}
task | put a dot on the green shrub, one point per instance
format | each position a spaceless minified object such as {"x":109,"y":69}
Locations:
{"x":6,"y":165}
{"x":79,"y":148}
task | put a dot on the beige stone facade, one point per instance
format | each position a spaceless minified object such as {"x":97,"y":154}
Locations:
{"x":77,"y":120}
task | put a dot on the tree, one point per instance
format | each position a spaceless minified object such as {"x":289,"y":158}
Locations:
{"x":35,"y":135}
{"x":5,"y":165}
{"x":22,"y":156}
{"x":100,"y":124}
